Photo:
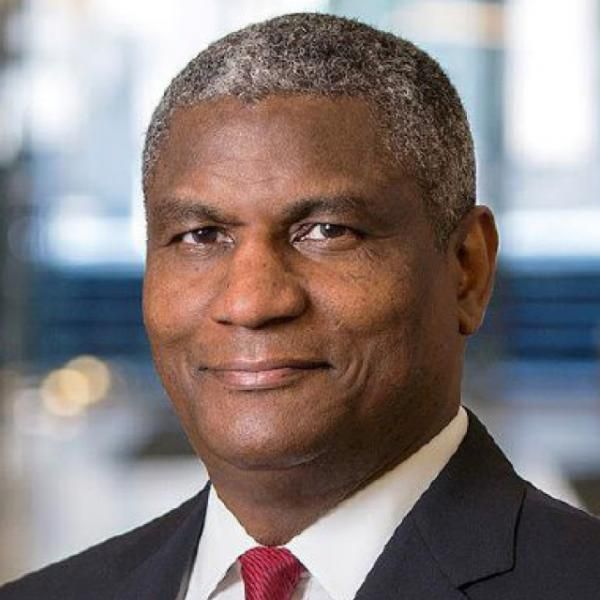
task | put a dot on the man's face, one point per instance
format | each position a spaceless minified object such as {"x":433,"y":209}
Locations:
{"x":296,"y":306}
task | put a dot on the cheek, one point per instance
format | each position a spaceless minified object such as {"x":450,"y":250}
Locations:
{"x":370,"y":302}
{"x":167,"y":316}
{"x":171,"y":306}
{"x":386,"y":321}
{"x":373,"y":319}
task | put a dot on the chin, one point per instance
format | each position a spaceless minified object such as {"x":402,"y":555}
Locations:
{"x":263,"y":452}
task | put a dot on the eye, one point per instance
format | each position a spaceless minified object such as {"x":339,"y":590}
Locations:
{"x":325,"y":231}
{"x":206,"y":236}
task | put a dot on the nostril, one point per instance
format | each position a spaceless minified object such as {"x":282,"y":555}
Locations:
{"x":260,"y":305}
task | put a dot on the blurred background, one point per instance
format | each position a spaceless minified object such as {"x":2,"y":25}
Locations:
{"x":88,"y":444}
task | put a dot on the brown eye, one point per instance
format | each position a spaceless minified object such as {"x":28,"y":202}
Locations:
{"x":205,"y":235}
{"x":325,"y":231}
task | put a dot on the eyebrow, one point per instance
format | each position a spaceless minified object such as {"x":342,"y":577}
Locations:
{"x":180,"y":210}
{"x":334,"y":205}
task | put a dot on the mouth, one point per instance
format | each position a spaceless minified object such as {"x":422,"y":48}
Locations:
{"x":263,"y":374}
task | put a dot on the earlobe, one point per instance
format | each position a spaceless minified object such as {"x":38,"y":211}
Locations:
{"x":474,"y":246}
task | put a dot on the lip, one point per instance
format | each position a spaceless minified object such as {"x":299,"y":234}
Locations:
{"x":263,"y":374}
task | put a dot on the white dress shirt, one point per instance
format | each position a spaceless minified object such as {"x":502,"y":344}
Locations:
{"x":341,"y":547}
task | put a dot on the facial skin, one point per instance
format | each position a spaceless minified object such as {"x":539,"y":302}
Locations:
{"x":306,"y":329}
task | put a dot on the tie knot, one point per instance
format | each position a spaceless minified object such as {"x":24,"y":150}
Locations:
{"x":270,"y":573}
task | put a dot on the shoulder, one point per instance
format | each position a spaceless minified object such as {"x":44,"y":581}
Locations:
{"x":557,"y":554}
{"x":98,"y":571}
{"x":506,"y":539}
{"x":564,"y":535}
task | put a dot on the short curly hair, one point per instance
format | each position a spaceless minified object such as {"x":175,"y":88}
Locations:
{"x":422,"y":120}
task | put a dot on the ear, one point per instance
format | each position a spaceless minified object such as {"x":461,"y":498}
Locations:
{"x":473,"y":249}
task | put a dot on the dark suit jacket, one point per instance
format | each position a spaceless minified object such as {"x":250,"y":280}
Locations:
{"x":479,"y":532}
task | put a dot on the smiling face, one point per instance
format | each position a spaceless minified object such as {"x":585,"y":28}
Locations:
{"x":297,"y":308}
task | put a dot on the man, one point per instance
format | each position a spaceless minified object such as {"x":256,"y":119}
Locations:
{"x":315,"y":265}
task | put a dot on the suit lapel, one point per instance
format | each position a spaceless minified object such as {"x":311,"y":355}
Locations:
{"x":461,"y":530}
{"x":406,"y":570}
{"x":165,"y":572}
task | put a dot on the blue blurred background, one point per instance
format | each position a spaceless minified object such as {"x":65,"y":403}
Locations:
{"x":88,"y":444}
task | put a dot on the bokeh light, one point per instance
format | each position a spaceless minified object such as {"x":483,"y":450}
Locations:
{"x":68,"y":391}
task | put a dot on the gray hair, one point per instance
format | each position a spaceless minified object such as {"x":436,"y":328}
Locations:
{"x":421,"y":117}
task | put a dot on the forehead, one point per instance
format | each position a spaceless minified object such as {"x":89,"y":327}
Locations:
{"x":284,"y":134}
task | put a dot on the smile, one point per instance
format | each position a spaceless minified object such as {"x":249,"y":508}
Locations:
{"x":263,"y":375}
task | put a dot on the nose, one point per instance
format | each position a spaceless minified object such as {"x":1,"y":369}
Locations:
{"x":258,"y":289}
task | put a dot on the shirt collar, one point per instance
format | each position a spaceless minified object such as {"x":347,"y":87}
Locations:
{"x":341,"y":547}
{"x":222,"y":541}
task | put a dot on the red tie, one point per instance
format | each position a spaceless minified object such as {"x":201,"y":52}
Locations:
{"x":270,"y":573}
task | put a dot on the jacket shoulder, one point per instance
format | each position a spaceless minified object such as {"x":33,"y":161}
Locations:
{"x":559,"y":532}
{"x":557,"y":554}
{"x":97,"y":571}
